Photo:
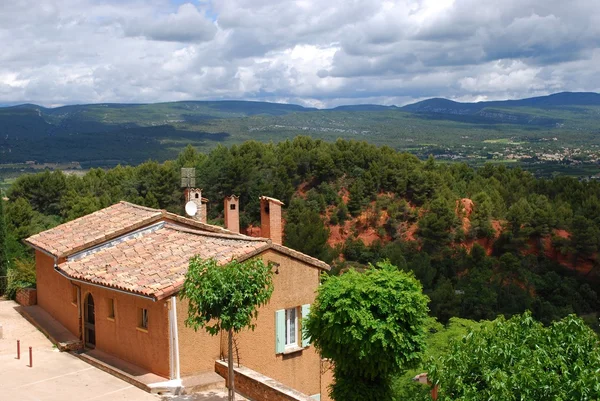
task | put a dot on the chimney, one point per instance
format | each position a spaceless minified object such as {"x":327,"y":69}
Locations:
{"x":195,"y":195}
{"x":270,"y":219}
{"x":232,"y":213}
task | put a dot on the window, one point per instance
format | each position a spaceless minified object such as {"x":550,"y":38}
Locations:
{"x":111,"y":308}
{"x":291,"y":331}
{"x":143,"y":319}
{"x":289,"y":336}
{"x":232,"y":206}
{"x":74,"y":294}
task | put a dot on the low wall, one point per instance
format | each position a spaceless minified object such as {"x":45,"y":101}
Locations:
{"x":26,"y":296}
{"x":258,"y":387}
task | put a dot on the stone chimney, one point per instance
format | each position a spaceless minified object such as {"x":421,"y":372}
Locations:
{"x":270,"y":219}
{"x":232,"y":213}
{"x":195,"y":195}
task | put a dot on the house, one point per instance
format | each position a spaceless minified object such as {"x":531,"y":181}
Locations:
{"x":112,"y":277}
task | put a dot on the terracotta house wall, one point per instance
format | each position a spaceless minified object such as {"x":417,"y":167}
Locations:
{"x":198,"y":351}
{"x":120,"y":336}
{"x":295,"y":285}
{"x":54,"y":293}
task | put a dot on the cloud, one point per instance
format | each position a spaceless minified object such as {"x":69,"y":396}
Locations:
{"x":304,"y":51}
{"x":185,"y":25}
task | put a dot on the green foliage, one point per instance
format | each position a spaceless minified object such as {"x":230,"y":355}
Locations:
{"x":225,"y":297}
{"x":304,"y":229}
{"x":520,"y":359}
{"x":435,"y":227}
{"x":20,"y":275}
{"x":438,"y":343}
{"x":371,"y":325}
{"x":3,"y":240}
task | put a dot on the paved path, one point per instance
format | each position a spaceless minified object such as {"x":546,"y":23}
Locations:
{"x":55,"y":376}
{"x":60,"y":376}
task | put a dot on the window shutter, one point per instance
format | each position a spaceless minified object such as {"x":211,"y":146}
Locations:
{"x":279,"y":331}
{"x":305,"y":337}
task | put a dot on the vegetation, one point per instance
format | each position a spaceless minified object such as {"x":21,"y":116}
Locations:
{"x":3,"y":241}
{"x":226,"y":298}
{"x":550,"y":134}
{"x":371,"y":326}
{"x":531,"y":244}
{"x":20,"y":275}
{"x":520,"y":359}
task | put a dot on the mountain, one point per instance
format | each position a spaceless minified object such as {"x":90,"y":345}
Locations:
{"x":439,"y":105}
{"x":110,"y":133}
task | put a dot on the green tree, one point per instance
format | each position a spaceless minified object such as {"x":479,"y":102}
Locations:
{"x":305,"y":231}
{"x":371,"y":325}
{"x":520,"y":359}
{"x":226,"y":298}
{"x":435,"y":226}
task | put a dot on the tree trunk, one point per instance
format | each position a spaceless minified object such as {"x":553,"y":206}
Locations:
{"x":230,"y":379}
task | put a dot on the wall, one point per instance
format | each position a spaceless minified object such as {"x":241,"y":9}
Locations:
{"x":295,"y":285}
{"x":327,"y":379}
{"x":197,"y":350}
{"x":255,"y":386}
{"x":120,"y":336}
{"x":54,"y":293}
{"x":26,"y":296}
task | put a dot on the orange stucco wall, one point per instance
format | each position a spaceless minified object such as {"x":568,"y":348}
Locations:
{"x":119,"y":337}
{"x":54,"y":293}
{"x":295,"y":285}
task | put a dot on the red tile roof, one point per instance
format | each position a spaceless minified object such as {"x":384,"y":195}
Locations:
{"x":154,"y":261}
{"x":94,"y":228}
{"x":103,"y":225}
{"x":146,"y":251}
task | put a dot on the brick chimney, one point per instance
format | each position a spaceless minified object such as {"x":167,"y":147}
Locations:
{"x":195,"y":195}
{"x":232,"y":213}
{"x":270,"y":219}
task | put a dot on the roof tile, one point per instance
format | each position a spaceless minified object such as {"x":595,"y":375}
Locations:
{"x":162,"y":271}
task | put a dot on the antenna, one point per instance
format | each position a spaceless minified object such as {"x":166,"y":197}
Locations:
{"x":191,"y":209}
{"x":188,"y":177}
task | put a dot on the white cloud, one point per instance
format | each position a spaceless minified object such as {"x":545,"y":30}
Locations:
{"x":303,"y":51}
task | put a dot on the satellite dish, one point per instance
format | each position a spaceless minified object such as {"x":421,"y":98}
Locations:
{"x":191,"y":208}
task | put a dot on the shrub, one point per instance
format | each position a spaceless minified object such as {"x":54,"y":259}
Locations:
{"x":20,"y":275}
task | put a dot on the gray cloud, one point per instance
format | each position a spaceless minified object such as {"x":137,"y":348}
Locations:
{"x":306,"y":51}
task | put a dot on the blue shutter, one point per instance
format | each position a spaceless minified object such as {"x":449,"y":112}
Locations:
{"x":279,"y":331}
{"x":305,"y":336}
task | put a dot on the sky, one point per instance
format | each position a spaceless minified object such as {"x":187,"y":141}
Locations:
{"x":320,"y":53}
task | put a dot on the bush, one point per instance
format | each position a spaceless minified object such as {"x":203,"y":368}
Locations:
{"x":20,"y":275}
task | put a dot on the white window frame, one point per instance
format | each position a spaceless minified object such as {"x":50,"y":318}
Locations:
{"x":291,"y":328}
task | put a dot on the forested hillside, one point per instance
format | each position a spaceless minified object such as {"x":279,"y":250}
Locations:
{"x":483,"y":242}
{"x":556,"y":133}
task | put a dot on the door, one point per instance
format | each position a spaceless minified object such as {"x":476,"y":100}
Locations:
{"x":89,"y":322}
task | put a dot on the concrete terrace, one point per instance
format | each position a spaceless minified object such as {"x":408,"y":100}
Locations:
{"x":62,"y":376}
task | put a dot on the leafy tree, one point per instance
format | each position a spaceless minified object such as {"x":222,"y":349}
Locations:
{"x":371,"y":325}
{"x":584,"y":238}
{"x":435,"y":226}
{"x":481,"y":225}
{"x":520,"y":359}
{"x":305,"y":231}
{"x":226,"y":298}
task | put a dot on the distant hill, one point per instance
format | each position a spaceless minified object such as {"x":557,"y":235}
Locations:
{"x":109,"y":133}
{"x":439,"y":105}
